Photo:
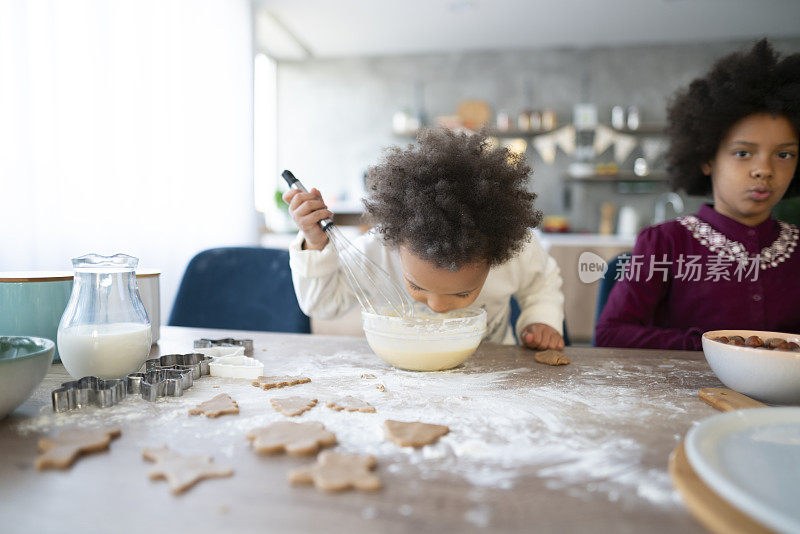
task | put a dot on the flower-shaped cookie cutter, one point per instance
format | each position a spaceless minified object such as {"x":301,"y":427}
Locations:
{"x":226,"y":342}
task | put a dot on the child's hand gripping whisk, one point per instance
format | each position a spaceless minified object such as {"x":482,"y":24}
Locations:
{"x":373,"y":287}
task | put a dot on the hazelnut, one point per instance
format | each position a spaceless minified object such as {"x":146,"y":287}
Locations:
{"x":773,"y":342}
{"x":738,"y":342}
{"x":753,"y":341}
{"x":793,"y":346}
{"x":721,"y":339}
{"x":783,"y":346}
{"x":733,"y":339}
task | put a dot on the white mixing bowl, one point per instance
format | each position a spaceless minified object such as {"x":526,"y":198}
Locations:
{"x":767,"y":375}
{"x":428,"y":342}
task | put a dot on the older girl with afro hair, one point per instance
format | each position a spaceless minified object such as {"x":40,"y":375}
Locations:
{"x":734,"y":135}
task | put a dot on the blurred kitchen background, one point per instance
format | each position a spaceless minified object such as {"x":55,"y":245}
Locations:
{"x":158,"y":128}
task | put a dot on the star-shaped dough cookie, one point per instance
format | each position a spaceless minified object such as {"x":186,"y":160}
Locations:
{"x":61,"y":451}
{"x":337,"y":472}
{"x":182,"y":472}
{"x":294,"y":438}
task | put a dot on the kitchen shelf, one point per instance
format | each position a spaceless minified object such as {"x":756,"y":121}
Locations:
{"x":618,"y":177}
{"x":644,"y":129}
{"x":491,"y":133}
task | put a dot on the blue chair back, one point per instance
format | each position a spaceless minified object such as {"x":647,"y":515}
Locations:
{"x":239,"y":288}
{"x":607,"y":283}
{"x":515,"y":312}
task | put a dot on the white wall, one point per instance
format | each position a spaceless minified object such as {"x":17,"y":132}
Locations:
{"x":126,"y":127}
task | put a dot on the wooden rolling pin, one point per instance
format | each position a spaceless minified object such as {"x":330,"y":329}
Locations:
{"x":725,"y":400}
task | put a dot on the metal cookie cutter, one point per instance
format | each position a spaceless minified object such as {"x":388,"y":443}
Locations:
{"x":171,"y":375}
{"x":195,"y":362}
{"x":226,"y":342}
{"x":159,"y":383}
{"x":88,"y":391}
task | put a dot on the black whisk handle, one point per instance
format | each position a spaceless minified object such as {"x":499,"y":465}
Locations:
{"x":293,"y":182}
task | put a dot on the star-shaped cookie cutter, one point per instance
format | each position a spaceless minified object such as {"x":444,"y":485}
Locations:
{"x":225,"y":342}
{"x":168,"y":375}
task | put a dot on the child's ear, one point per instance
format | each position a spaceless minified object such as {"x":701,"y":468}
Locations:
{"x":706,"y":167}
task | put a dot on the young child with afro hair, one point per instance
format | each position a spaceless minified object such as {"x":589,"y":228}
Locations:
{"x":453,"y":224}
{"x":734,"y":134}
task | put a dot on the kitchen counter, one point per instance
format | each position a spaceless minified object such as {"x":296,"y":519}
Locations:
{"x":575,"y":448}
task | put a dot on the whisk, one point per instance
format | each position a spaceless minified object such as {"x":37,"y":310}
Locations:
{"x":375,"y":290}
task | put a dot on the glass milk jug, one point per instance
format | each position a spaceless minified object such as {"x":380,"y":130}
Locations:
{"x":105,"y":331}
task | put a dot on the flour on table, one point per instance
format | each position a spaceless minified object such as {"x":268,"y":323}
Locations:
{"x":575,"y":429}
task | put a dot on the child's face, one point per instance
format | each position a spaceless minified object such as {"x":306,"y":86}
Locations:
{"x":753,"y":167}
{"x":440,"y":289}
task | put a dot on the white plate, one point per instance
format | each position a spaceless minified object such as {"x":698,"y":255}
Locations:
{"x":751,"y":458}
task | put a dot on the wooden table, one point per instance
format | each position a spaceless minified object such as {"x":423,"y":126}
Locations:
{"x":576,"y":448}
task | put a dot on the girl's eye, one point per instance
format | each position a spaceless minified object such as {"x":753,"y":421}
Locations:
{"x":414,"y":287}
{"x":463,"y":295}
{"x":786,"y":155}
{"x":741,"y":153}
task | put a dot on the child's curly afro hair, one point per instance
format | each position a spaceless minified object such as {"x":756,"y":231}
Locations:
{"x":453,"y":199}
{"x":737,"y":86}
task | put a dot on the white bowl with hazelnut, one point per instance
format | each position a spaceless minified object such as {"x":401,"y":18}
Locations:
{"x":761,"y":365}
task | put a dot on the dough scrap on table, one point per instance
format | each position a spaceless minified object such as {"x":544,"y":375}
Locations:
{"x":551,"y":357}
{"x":61,"y":451}
{"x":725,"y":400}
{"x":351,"y":404}
{"x":294,"y":438}
{"x":220,"y":405}
{"x":414,"y":434}
{"x":293,"y":406}
{"x":337,"y":472}
{"x":369,"y":376}
{"x":270,"y":382}
{"x":381,"y":387}
{"x":182,"y":472}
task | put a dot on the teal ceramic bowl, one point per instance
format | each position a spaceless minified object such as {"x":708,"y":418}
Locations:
{"x":31,"y":304}
{"x":23,"y":363}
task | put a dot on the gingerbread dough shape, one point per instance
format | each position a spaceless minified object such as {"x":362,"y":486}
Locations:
{"x":270,"y":382}
{"x":414,"y":434}
{"x":61,"y":451}
{"x":351,"y":404}
{"x":220,"y":405}
{"x":337,"y":472}
{"x":182,"y":472}
{"x":551,"y":357}
{"x":293,"y":406}
{"x":294,"y":438}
